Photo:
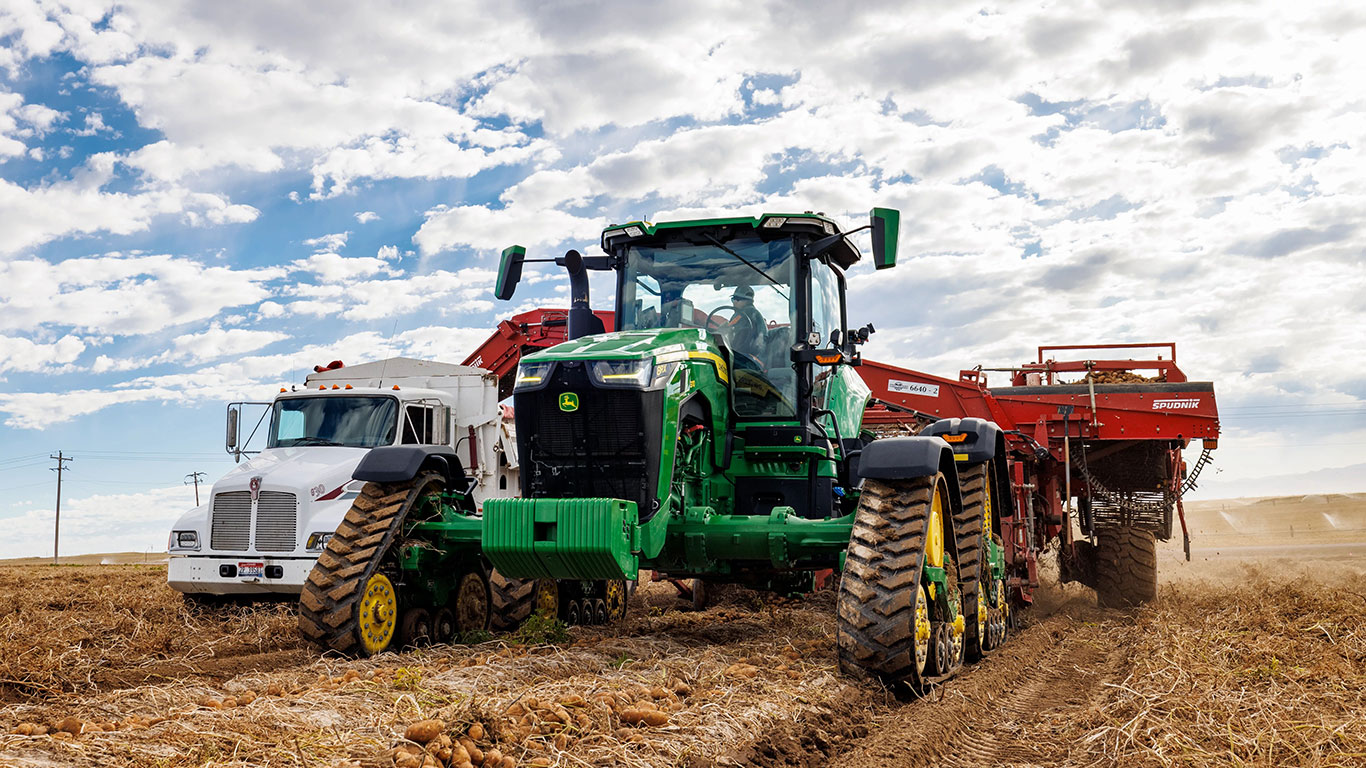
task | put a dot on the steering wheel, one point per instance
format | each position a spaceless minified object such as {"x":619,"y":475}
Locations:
{"x":718,"y":324}
{"x":727,"y":331}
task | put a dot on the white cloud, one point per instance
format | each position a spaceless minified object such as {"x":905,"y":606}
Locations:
{"x":25,"y":355}
{"x":331,"y":242}
{"x":246,"y":377}
{"x":331,"y":267}
{"x":100,"y":522}
{"x":217,"y":342}
{"x":365,"y":217}
{"x":123,"y":295}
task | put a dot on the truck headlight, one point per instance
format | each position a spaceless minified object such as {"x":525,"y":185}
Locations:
{"x":317,"y":541}
{"x":533,"y":375}
{"x":183,"y":540}
{"x":636,"y":374}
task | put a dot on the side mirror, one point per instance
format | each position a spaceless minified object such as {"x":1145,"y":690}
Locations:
{"x":509,"y":272}
{"x":886,"y":224}
{"x":232,"y":428}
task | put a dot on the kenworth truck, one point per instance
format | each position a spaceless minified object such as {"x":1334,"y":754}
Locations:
{"x":268,"y":519}
{"x":716,"y":433}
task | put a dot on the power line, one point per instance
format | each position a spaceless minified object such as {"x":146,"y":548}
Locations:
{"x":57,"y":520}
{"x":195,"y":478}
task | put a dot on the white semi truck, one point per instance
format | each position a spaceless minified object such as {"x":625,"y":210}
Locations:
{"x":268,"y":519}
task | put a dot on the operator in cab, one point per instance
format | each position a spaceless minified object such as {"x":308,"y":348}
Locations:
{"x":748,"y":329}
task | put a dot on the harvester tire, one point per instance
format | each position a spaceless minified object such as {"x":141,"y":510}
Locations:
{"x":967,"y":529}
{"x":1126,"y":567}
{"x":513,"y":601}
{"x":348,"y":579}
{"x":882,"y":628}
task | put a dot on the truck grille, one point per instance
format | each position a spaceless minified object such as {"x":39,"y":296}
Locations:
{"x":230,"y":523}
{"x":277,"y":516}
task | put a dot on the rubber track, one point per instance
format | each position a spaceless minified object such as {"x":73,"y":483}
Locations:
{"x":967,"y":528}
{"x":876,"y":608}
{"x":1126,"y":567}
{"x":327,"y":606}
{"x":512,"y":601}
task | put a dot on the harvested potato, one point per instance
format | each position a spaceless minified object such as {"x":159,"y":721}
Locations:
{"x":424,"y":731}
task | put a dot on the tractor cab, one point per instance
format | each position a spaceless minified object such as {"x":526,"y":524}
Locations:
{"x":728,"y":375}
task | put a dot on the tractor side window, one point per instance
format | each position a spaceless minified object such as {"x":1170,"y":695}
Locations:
{"x":825,"y":301}
{"x":645,"y":310}
{"x":417,"y":425}
{"x":825,"y":317}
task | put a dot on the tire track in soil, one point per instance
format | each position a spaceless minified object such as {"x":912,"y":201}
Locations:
{"x":984,"y":717}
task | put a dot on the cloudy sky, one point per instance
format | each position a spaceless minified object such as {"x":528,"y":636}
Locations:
{"x":199,"y":201}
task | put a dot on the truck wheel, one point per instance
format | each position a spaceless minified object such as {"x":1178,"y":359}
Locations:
{"x":349,"y":602}
{"x":513,"y":601}
{"x":975,"y":483}
{"x":883,"y":623}
{"x":1126,"y":567}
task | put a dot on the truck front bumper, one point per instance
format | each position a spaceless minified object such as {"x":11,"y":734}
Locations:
{"x":203,"y":575}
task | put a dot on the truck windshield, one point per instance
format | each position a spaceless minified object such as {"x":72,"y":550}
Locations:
{"x":741,"y":290}
{"x":357,"y":422}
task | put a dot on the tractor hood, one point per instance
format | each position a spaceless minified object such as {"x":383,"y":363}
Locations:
{"x":663,"y":344}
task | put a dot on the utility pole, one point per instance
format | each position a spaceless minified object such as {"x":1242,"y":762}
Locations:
{"x":195,"y":477}
{"x":57,"y":521}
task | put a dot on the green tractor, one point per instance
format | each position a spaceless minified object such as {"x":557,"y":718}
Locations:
{"x":717,"y":434}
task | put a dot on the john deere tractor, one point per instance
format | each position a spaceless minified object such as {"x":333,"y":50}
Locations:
{"x":717,"y":434}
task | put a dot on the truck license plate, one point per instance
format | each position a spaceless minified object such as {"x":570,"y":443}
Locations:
{"x":251,"y":570}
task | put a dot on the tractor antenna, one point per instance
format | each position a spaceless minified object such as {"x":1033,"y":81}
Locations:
{"x":390,"y":343}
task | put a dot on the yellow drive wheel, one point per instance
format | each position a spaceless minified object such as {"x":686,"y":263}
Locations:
{"x":616,"y":600}
{"x":378,"y":614}
{"x":922,"y":630}
{"x":547,"y":598}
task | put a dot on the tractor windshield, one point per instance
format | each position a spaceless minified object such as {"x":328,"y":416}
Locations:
{"x":357,"y":422}
{"x":741,"y":290}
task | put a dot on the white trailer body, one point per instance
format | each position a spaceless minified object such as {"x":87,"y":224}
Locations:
{"x":268,"y":519}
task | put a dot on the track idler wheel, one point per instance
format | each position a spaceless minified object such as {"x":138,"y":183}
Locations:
{"x":415,"y":629}
{"x":443,"y":626}
{"x":573,"y":612}
{"x":472,"y":603}
{"x":599,"y":611}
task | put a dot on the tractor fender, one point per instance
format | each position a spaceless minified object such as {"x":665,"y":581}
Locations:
{"x":984,"y":441}
{"x":903,"y":458}
{"x":401,"y":463}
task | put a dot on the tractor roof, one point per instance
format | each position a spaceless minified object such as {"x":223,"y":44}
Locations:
{"x":845,"y":253}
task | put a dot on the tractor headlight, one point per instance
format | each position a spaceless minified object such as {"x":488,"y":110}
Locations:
{"x":533,"y":375}
{"x":183,"y":540}
{"x":635,"y":374}
{"x":317,"y":541}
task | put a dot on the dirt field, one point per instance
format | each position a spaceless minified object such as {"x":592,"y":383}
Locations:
{"x":1255,"y":654}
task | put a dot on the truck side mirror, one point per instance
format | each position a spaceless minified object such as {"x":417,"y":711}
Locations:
{"x":886,"y":224}
{"x":232,"y":428}
{"x":509,"y":271}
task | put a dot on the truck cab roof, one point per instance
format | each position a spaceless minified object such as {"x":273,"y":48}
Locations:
{"x":406,"y":372}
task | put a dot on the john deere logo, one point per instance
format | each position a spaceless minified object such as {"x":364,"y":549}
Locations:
{"x":569,"y":402}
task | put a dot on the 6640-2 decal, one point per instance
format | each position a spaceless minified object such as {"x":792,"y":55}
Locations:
{"x":1176,"y":404}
